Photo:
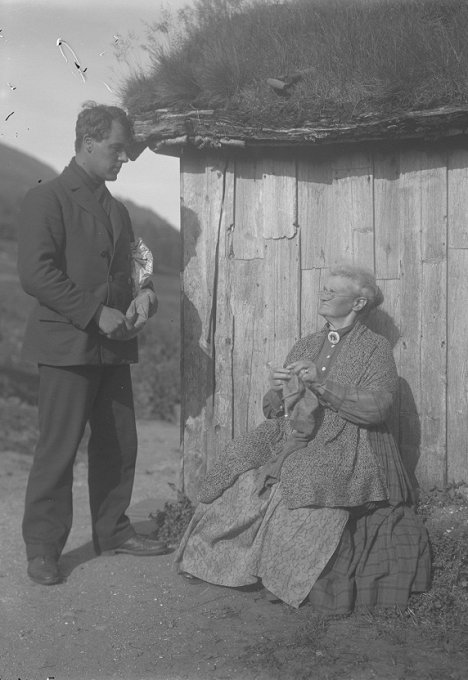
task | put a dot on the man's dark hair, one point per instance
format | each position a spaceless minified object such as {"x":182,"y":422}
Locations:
{"x":95,"y":120}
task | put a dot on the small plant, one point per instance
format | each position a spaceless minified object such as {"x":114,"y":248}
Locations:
{"x":446,"y":516}
{"x":172,"y":521}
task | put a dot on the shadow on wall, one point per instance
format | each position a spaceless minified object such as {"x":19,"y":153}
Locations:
{"x":405,"y":422}
{"x":190,"y":233}
{"x":409,"y":430}
{"x":197,"y":351}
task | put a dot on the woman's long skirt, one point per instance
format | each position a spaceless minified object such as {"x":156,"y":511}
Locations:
{"x":334,"y":559}
{"x":242,"y":537}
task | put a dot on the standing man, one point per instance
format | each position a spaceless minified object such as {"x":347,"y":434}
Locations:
{"x":74,"y":258}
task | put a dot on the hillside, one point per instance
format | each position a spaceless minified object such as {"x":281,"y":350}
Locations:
{"x":19,"y":172}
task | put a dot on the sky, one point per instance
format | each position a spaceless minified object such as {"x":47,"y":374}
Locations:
{"x":41,"y":89}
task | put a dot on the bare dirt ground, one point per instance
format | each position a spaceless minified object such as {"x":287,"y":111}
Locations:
{"x":126,"y":618}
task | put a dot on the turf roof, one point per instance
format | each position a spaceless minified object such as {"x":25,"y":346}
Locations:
{"x":257,"y":70}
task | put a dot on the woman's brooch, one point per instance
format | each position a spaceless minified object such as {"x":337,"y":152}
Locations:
{"x":333,"y":337}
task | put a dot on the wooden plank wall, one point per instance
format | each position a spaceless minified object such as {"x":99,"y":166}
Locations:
{"x":259,"y":236}
{"x":457,"y":318}
{"x":202,"y":188}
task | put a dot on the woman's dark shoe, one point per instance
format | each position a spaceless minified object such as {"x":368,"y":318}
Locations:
{"x":142,"y":546}
{"x":189,"y":578}
{"x":270,"y":597}
{"x":44,"y":570}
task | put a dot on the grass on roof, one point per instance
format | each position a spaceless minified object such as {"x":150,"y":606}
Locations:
{"x":353,"y":57}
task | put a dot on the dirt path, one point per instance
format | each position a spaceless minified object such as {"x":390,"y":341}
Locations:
{"x":126,"y":618}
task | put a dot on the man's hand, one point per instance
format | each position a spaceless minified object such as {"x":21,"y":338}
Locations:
{"x":140,"y":310}
{"x":146,"y":303}
{"x":112,"y":322}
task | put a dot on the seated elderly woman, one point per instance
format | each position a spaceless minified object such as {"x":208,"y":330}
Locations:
{"x":314,"y":503}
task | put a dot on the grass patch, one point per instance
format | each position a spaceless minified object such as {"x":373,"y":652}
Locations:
{"x":441,"y":614}
{"x":446,"y":604}
{"x":18,"y":425}
{"x":344,"y":58}
{"x":172,"y":521}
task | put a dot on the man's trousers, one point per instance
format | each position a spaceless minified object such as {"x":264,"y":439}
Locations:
{"x":70,"y":397}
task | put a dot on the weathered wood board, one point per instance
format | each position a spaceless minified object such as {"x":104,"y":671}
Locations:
{"x":250,"y":343}
{"x":335,"y":211}
{"x":457,"y":375}
{"x":203,"y":196}
{"x":247,"y":239}
{"x":260,"y":235}
{"x":457,"y":166}
{"x":388,"y":230}
{"x":457,"y":318}
{"x":222,"y":425}
{"x":279,"y":198}
{"x":310,"y":286}
{"x":422,"y":204}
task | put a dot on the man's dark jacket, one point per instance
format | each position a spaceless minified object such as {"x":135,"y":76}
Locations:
{"x":72,"y":259}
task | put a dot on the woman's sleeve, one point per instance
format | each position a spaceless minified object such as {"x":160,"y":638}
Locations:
{"x":370,"y":401}
{"x":358,"y":405}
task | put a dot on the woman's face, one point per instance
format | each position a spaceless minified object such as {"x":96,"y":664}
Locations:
{"x":339,"y":299}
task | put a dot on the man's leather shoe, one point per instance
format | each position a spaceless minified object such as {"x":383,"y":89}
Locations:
{"x":142,"y":546}
{"x":44,"y":570}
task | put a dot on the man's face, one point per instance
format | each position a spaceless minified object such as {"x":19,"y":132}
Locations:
{"x":105,"y":158}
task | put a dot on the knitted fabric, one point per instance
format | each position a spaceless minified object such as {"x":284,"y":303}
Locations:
{"x":338,"y":467}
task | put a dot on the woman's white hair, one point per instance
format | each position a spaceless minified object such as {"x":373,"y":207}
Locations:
{"x":364,"y":281}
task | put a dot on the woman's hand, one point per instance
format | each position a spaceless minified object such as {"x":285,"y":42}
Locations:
{"x":279,"y":376}
{"x":305,"y":370}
